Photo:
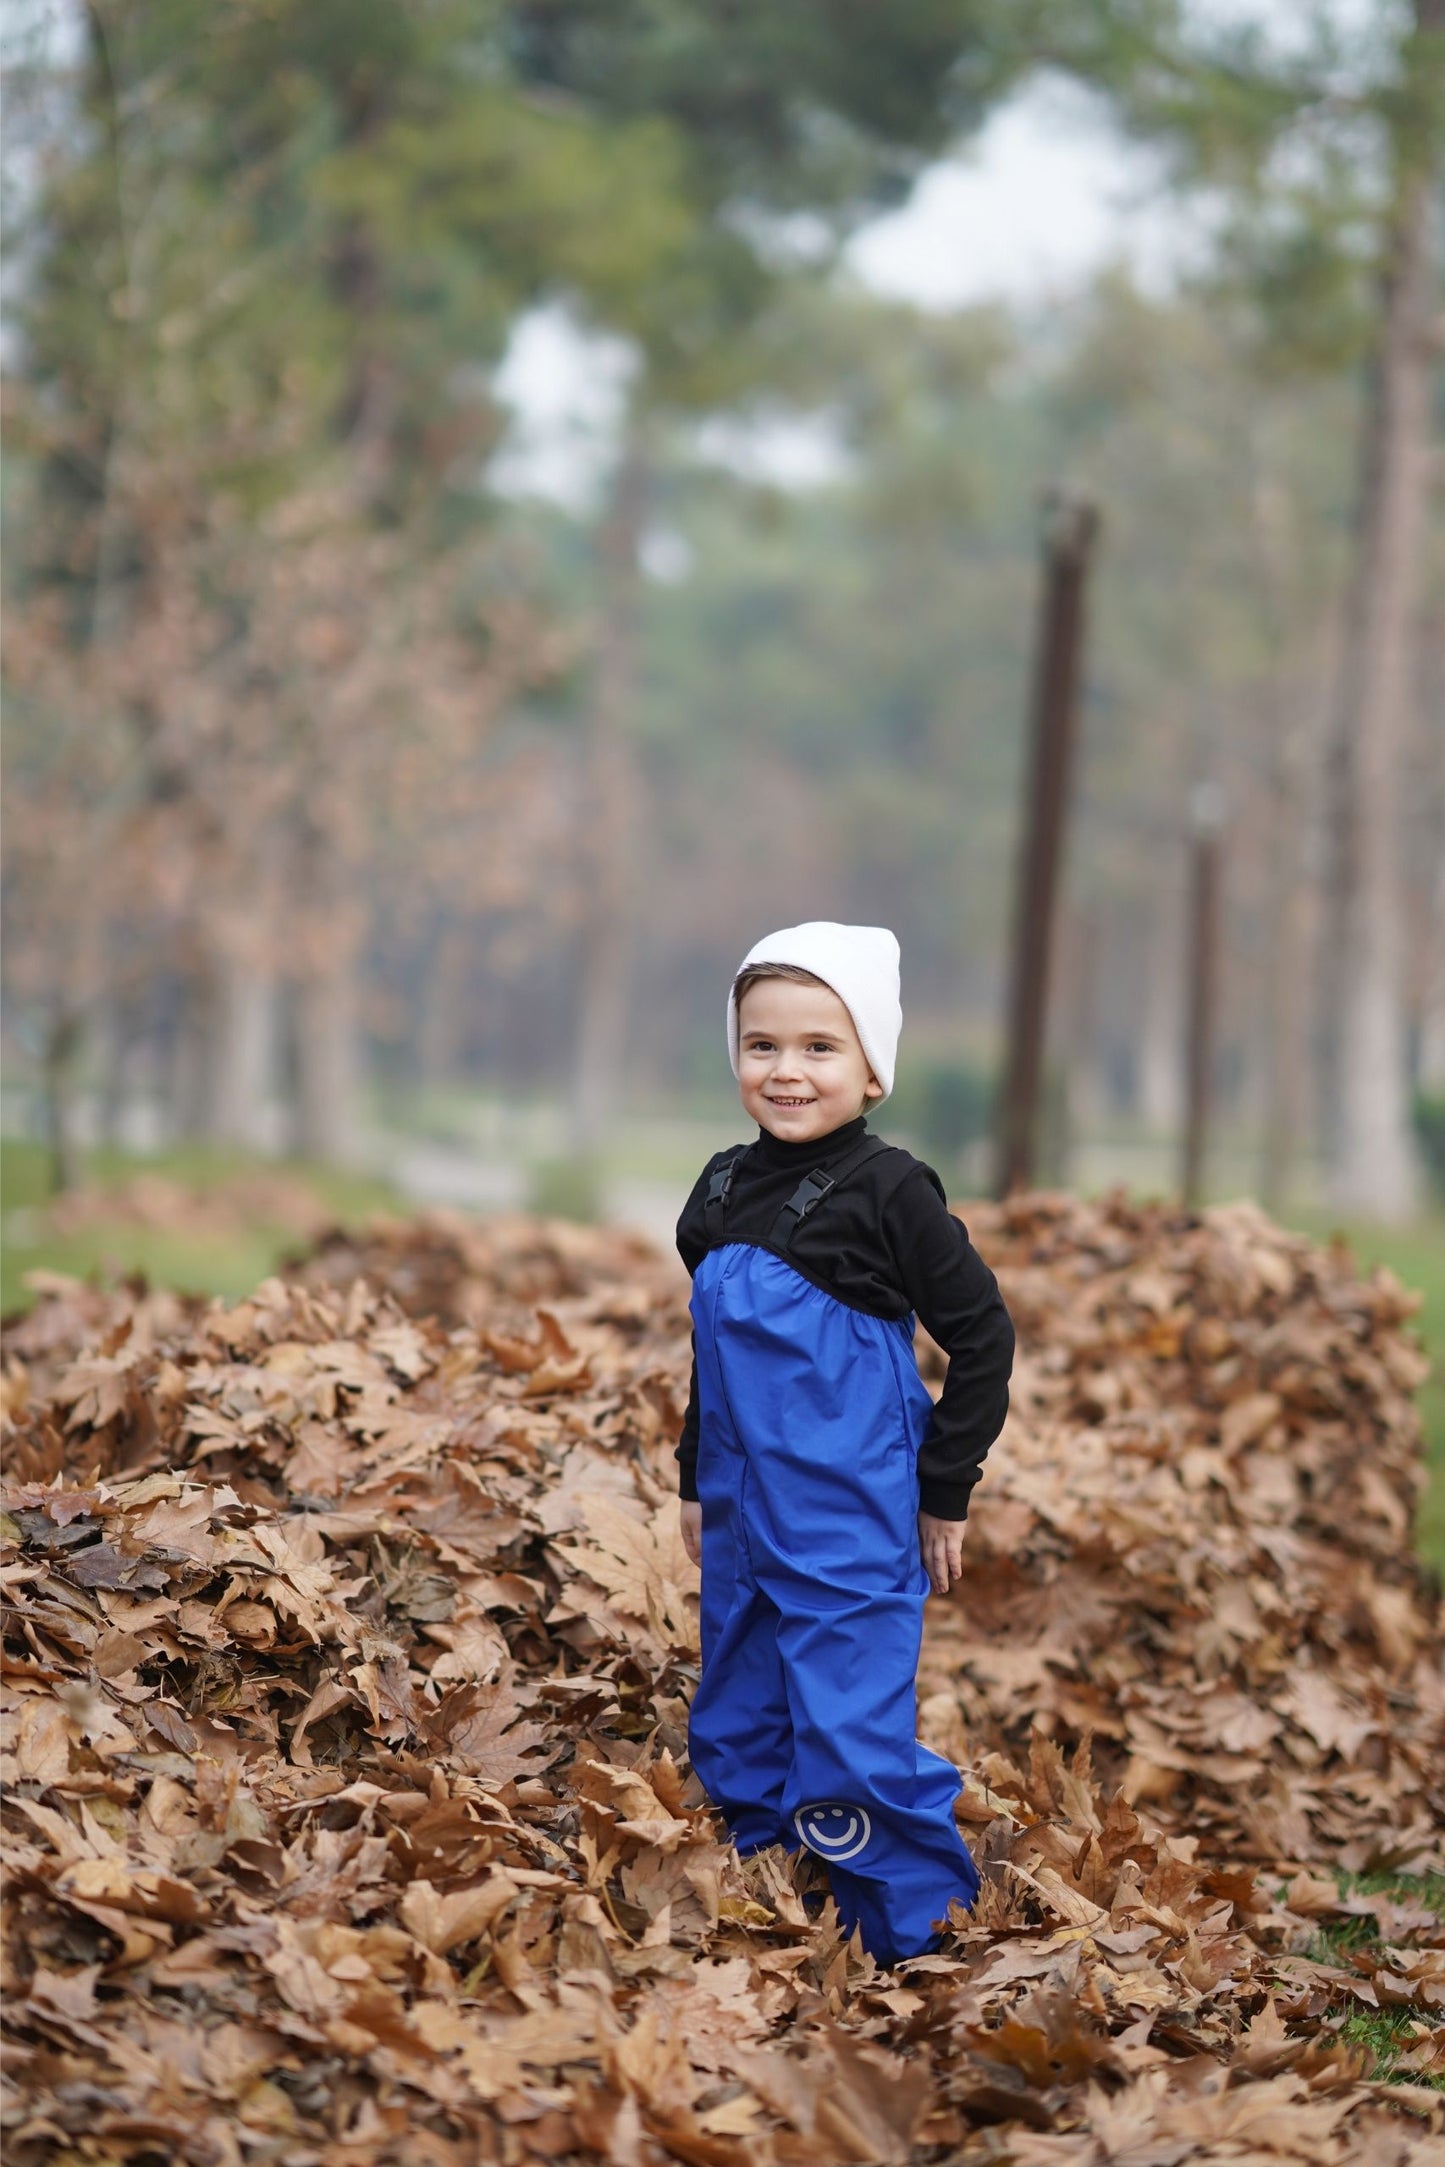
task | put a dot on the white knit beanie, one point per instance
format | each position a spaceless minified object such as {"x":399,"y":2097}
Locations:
{"x":860,"y":963}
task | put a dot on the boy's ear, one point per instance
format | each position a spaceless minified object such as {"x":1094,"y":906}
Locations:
{"x":872,"y":1089}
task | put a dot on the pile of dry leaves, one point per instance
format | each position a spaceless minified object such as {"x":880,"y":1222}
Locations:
{"x":348,"y":1652}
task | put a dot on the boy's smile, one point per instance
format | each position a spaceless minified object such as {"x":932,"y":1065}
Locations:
{"x":801,"y":1070}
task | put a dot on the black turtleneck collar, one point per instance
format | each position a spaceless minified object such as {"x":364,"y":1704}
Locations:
{"x":821,"y":1151}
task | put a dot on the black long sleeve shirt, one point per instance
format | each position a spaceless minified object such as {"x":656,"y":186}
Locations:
{"x":884,"y":1242}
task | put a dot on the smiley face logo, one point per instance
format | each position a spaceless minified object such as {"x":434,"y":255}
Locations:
{"x":832,"y":1831}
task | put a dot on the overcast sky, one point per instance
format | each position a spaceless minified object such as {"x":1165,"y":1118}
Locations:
{"x":1043,"y":199}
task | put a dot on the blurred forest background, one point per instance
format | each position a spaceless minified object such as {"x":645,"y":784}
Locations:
{"x":393,"y":778}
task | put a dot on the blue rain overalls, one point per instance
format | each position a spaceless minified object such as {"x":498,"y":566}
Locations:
{"x":804,"y":1725}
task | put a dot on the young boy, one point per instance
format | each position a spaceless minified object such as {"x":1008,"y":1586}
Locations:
{"x":810,"y":1443}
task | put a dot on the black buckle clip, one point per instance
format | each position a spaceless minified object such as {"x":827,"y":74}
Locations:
{"x":810,"y":1192}
{"x":719,"y":1189}
{"x":721,"y":1182}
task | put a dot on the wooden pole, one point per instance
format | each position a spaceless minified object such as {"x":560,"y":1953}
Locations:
{"x":1206,"y":821}
{"x":1070,"y":528}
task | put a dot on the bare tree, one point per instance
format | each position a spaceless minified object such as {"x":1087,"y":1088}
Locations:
{"x":610,"y":809}
{"x":1374,"y":1165}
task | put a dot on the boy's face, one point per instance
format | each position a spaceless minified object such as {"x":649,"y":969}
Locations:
{"x":801,"y":1070}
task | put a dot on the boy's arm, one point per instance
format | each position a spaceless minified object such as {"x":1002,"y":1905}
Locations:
{"x":956,"y":1298}
{"x":692,"y":1246}
{"x":686,"y":1453}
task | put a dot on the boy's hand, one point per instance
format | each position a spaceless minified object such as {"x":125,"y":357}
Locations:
{"x":690,"y":1513}
{"x":941,"y":1544}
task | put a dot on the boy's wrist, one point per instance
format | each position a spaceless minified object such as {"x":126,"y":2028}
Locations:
{"x":944,"y":1500}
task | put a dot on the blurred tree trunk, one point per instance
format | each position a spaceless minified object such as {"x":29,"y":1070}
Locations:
{"x":327,"y":1063}
{"x":185,"y":1079}
{"x":611,"y":824}
{"x":1160,"y":1094}
{"x":1373,"y":1164}
{"x":1430,"y":1049}
{"x":1080,"y":955}
{"x":240,"y":1049}
{"x":1290,"y":896}
{"x":64,"y":1037}
{"x":326,"y":1036}
{"x":113,"y":1039}
{"x":1289,"y":923}
{"x":443,"y":1017}
{"x":1289,"y":920}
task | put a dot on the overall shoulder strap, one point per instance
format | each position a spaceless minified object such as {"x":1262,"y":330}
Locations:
{"x":816,"y":1185}
{"x":719,"y":1189}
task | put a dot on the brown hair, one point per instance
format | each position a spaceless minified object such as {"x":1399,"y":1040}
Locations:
{"x":753,"y":973}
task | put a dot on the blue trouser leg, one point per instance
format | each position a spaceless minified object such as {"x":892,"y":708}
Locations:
{"x":740,"y":1730}
{"x":804,"y":1725}
{"x":863,"y":1793}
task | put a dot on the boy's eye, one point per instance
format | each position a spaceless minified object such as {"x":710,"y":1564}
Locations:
{"x":766,"y":1045}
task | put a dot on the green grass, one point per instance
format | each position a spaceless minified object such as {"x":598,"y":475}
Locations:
{"x":1416,"y":1255}
{"x":1386,"y":2032}
{"x":230,"y":1265}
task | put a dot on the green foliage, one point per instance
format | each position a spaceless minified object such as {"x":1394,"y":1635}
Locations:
{"x":229,"y":1263}
{"x":1416,"y":1255}
{"x":1429,"y":1116}
{"x":834,"y":702}
{"x":786,"y":103}
{"x":1303,"y":146}
{"x":944,"y":1100}
{"x":773,"y":106}
{"x":25,"y":1175}
{"x":1386,"y":2032}
{"x":567,"y":1188}
{"x":489,"y":189}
